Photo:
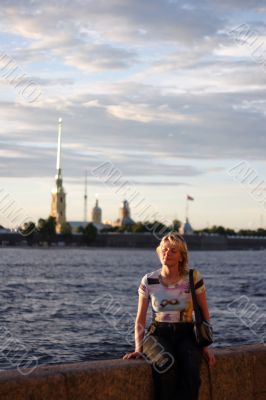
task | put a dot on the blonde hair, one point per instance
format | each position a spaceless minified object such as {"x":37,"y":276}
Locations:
{"x":175,"y":239}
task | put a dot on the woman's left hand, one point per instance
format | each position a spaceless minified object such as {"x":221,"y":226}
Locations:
{"x":209,"y":356}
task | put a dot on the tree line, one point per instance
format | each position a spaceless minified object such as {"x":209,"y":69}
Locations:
{"x":46,"y":228}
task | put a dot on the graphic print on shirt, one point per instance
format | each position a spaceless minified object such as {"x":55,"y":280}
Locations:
{"x":172,"y":303}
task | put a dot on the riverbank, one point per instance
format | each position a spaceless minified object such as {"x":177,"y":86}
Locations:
{"x":239,"y":374}
{"x":135,"y":240}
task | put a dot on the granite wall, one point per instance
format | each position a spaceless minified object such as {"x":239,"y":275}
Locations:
{"x":239,"y":374}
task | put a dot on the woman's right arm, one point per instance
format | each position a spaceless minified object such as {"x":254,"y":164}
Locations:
{"x":140,"y":323}
{"x":139,"y":328}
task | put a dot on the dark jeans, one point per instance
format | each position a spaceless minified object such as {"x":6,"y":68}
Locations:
{"x":175,"y":358}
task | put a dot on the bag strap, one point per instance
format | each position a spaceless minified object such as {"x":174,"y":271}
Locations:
{"x":197,"y":310}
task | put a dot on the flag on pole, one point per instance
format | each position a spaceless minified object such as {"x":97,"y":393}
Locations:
{"x":190,"y":198}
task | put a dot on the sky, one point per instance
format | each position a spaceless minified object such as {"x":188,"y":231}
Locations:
{"x":169,"y":93}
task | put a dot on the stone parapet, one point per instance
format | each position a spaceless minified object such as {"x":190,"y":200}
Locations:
{"x":239,"y":374}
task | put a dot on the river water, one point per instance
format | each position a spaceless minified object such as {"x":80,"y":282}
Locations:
{"x":69,"y":305}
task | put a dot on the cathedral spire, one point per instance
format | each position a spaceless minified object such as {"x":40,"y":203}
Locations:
{"x":58,"y":160}
{"x":58,"y":177}
{"x":58,"y":206}
{"x":85,"y":198}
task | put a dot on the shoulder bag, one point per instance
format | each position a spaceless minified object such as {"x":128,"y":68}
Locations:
{"x":202,"y":329}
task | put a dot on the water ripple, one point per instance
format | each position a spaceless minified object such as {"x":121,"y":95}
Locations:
{"x":54,"y":301}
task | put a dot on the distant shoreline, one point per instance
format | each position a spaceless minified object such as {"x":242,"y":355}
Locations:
{"x":132,"y":240}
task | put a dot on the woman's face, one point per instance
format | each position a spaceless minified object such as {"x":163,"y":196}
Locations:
{"x":170,"y":254}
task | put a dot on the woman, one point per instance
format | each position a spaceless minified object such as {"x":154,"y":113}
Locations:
{"x":170,"y":345}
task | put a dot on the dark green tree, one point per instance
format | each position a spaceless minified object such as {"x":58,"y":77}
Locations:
{"x":261,"y":232}
{"x":89,"y":233}
{"x":139,"y":227}
{"x":80,"y":229}
{"x":66,"y":232}
{"x":110,"y":229}
{"x":46,"y":228}
{"x":176,"y":224}
{"x":27,"y":229}
{"x":66,"y":229}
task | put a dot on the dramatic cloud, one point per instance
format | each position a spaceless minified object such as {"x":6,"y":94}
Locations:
{"x":157,"y":87}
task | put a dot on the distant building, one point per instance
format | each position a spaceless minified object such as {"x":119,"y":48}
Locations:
{"x":76,"y":224}
{"x":107,"y":222}
{"x":186,"y":228}
{"x":58,"y":204}
{"x":96,"y":214}
{"x":124,"y":215}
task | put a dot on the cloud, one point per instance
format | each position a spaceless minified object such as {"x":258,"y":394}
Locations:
{"x":164,"y":78}
{"x":97,"y":57}
{"x":162,"y":89}
{"x":42,"y":81}
{"x":95,"y":182}
{"x":138,"y":148}
{"x":139,"y":19}
{"x":103,"y":35}
{"x":145,"y":113}
{"x":238,"y":4}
